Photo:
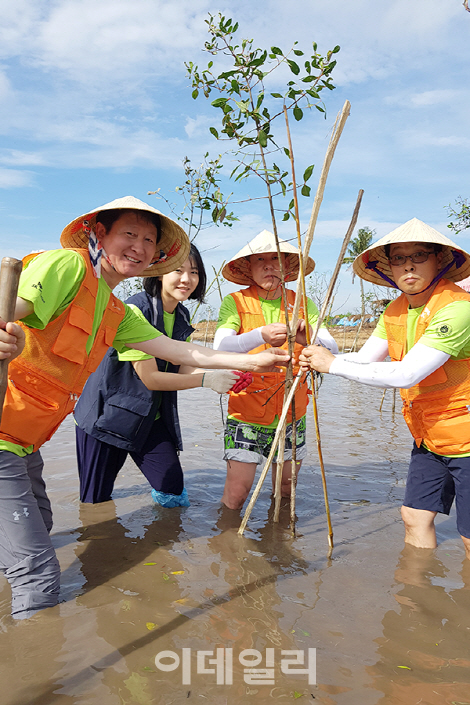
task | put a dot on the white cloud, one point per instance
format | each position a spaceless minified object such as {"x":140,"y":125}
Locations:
{"x":198,"y":126}
{"x":13,"y":178}
{"x":417,"y":139}
{"x":428,"y":98}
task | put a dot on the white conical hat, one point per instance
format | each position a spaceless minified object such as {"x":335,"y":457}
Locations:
{"x":413,"y":230}
{"x":172,"y":246}
{"x":238,"y":269}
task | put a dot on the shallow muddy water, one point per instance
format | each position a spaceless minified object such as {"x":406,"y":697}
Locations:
{"x":389,"y":625}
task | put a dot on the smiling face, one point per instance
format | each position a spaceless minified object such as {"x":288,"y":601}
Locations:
{"x":178,"y":286}
{"x":130,"y":245}
{"x":266,"y":272}
{"x":413,"y":278}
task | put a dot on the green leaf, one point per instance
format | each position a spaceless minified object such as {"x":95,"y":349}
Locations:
{"x":293,"y":67}
{"x":165,"y":576}
{"x":305,"y":191}
{"x":286,"y":152}
{"x":214,"y":132}
{"x":235,"y":87}
{"x":308,"y":172}
{"x":276,"y":95}
{"x":298,"y":114}
{"x":297,"y":52}
{"x":219,"y":102}
{"x":263,"y":139}
{"x":318,"y":107}
{"x":336,"y":49}
{"x":241,"y":106}
{"x":297,"y":695}
{"x":286,"y":216}
{"x":276,"y":50}
{"x":195,"y":93}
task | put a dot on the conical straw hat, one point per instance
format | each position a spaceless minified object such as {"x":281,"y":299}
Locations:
{"x":412,"y":231}
{"x":172,"y":247}
{"x":238,"y":269}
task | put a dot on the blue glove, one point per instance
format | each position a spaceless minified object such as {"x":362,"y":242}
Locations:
{"x":171,"y":500}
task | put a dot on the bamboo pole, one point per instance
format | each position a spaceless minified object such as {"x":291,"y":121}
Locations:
{"x":330,"y":152}
{"x":382,"y":400}
{"x":288,"y":401}
{"x":301,"y":291}
{"x":9,"y":279}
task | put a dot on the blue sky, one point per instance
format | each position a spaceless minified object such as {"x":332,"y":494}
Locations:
{"x":95,"y":104}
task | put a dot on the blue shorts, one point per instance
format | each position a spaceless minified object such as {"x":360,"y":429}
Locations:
{"x":433,"y":482}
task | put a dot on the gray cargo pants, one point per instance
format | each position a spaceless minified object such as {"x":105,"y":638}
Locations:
{"x":27,"y":557}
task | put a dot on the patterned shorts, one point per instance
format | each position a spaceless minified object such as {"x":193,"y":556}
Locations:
{"x":249,"y":443}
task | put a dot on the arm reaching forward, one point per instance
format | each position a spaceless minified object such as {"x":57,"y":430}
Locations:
{"x":180,"y":353}
{"x":218,"y":380}
{"x":367,"y":367}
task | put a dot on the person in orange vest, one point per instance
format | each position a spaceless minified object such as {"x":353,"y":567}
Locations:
{"x":426,"y":332}
{"x":69,"y":318}
{"x":250,"y":320}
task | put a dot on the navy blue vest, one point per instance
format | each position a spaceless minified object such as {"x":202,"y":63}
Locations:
{"x":115,"y":406}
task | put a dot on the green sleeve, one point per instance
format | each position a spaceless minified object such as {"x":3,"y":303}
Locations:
{"x":379,"y":330}
{"x":50,"y":282}
{"x":228,"y":314}
{"x":449,"y":330}
{"x":313,"y":313}
{"x":134,"y":328}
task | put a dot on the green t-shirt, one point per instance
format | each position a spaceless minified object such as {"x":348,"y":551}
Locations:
{"x":229,"y":318}
{"x":448,"y":331}
{"x":50,"y":282}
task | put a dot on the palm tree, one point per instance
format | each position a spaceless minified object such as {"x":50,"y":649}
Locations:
{"x":356,"y":247}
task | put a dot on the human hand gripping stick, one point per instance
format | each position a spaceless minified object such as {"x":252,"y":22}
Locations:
{"x":316,"y":357}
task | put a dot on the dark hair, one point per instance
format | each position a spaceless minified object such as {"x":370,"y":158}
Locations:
{"x":108,"y":218}
{"x":153,"y":285}
{"x":435,"y":247}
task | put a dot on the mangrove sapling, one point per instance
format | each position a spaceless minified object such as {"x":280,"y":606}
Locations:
{"x":248,"y":115}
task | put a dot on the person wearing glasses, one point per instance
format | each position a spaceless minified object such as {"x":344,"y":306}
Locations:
{"x":426,"y":333}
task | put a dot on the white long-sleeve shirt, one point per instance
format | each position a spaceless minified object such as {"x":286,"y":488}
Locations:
{"x":367,"y":365}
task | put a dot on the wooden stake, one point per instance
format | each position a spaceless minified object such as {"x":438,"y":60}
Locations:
{"x":9,"y":279}
{"x":330,"y":152}
{"x":382,"y":400}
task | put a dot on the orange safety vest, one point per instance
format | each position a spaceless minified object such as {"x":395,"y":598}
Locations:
{"x":437,"y":409}
{"x":262,"y":401}
{"x":44,"y":382}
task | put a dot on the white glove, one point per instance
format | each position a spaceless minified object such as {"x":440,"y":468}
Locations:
{"x":219,"y":380}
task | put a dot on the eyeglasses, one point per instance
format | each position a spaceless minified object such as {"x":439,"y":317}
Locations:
{"x":416,"y":258}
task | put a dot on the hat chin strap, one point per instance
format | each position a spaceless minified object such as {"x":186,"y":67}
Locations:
{"x":457,"y":258}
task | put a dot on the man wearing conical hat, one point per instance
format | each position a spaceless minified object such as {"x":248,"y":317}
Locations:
{"x":249,"y":321}
{"x":426,"y":332}
{"x":69,"y":318}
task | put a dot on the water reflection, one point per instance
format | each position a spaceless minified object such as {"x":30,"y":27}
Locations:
{"x":425,"y":649}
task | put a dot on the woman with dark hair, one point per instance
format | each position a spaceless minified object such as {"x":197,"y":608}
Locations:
{"x":129,"y":405}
